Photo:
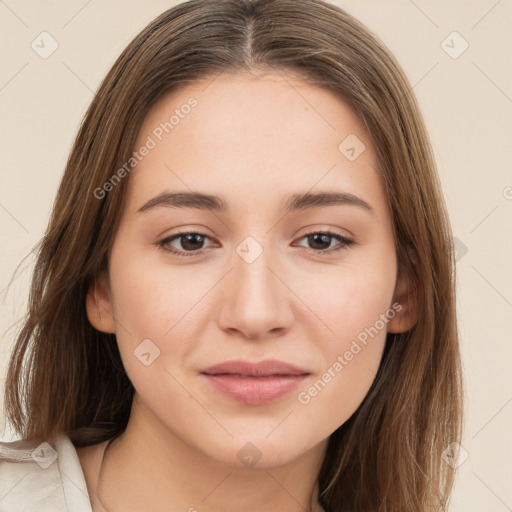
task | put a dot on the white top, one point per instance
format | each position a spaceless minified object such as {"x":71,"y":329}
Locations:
{"x":42,"y":477}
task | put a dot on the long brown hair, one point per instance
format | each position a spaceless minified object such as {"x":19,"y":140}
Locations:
{"x":66,"y":377}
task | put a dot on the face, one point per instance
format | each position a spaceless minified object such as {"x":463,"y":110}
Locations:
{"x":310,"y":282}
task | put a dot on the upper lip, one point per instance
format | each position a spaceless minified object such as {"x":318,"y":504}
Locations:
{"x":256,"y":369}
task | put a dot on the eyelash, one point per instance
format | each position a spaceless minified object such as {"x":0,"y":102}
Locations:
{"x":345,"y":243}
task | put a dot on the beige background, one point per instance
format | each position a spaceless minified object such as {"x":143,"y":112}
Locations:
{"x":467,"y":105}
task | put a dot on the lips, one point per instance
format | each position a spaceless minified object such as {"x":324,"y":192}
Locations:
{"x":254,"y":383}
{"x":266,"y":368}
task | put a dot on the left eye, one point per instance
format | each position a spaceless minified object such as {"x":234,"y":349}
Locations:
{"x":191,"y":243}
{"x":322,"y":238}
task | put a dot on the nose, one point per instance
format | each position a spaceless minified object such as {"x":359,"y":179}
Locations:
{"x":255,"y":298}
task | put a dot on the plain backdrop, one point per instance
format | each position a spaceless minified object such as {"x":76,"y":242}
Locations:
{"x":466,"y":98}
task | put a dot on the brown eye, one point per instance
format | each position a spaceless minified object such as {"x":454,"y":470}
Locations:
{"x":191,"y":243}
{"x":320,"y":241}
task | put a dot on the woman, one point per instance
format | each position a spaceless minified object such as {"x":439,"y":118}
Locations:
{"x":245,"y":295}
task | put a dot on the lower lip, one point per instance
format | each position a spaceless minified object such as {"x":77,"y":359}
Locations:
{"x":255,"y":390}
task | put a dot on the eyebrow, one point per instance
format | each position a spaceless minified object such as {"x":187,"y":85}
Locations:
{"x":296,"y":202}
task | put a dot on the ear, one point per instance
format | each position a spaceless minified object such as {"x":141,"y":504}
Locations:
{"x":99,"y":305}
{"x":406,"y":296}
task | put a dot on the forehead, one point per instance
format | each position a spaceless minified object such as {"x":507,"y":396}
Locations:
{"x":257,"y":134}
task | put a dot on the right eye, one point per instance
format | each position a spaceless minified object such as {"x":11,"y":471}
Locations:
{"x":189,"y":242}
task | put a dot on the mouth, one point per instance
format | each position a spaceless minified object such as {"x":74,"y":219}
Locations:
{"x":255,"y":383}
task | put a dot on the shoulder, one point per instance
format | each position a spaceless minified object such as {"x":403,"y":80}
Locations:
{"x":42,"y":476}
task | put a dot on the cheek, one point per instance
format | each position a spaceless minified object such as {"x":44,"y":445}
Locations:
{"x":151,"y":298}
{"x":351,"y":357}
{"x":355,"y":308}
{"x":349,"y":298}
{"x":332,"y":397}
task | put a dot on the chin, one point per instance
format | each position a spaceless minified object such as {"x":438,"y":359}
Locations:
{"x":257,"y":451}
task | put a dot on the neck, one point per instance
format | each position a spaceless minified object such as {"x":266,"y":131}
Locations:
{"x":149,"y":468}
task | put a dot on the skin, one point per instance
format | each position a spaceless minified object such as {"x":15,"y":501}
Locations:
{"x":254,"y":139}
